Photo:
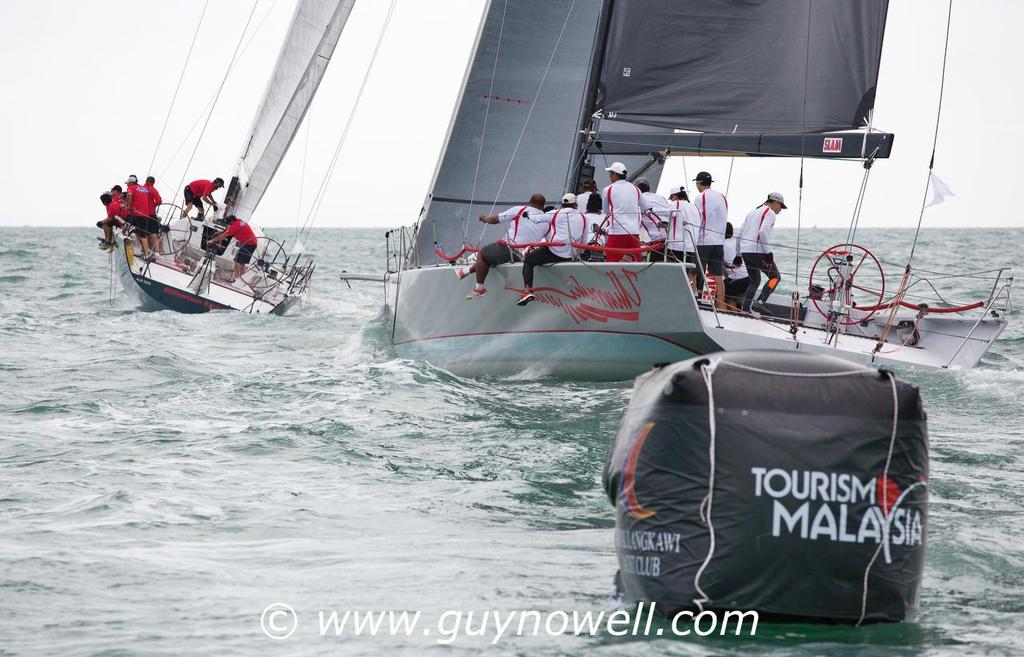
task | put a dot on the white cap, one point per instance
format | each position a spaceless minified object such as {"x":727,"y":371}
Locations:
{"x":617,"y":167}
{"x":775,"y":196}
{"x":678,"y":191}
{"x":569,"y":198}
{"x":132,"y":179}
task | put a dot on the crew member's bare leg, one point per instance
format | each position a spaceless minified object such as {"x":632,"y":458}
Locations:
{"x":480,"y":269}
{"x":720,"y":293}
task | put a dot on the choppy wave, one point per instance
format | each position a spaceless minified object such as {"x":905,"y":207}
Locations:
{"x":165,"y":477}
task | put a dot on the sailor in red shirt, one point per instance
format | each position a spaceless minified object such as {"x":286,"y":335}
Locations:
{"x":246,"y":238}
{"x":116,"y":211}
{"x":143,"y":216}
{"x":154,"y":195}
{"x":198,"y":191}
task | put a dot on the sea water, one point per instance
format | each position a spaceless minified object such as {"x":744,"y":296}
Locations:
{"x":166,"y":478}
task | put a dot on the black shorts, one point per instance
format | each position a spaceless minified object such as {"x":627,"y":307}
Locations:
{"x":244,"y":253}
{"x":141,"y":224}
{"x":498,"y":254}
{"x":735,"y":287}
{"x":151,"y":225}
{"x":681,"y":256}
{"x":193,"y":199}
{"x":712,"y":257}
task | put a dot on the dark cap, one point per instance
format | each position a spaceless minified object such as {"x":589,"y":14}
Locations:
{"x":218,"y":181}
{"x":704,"y":177}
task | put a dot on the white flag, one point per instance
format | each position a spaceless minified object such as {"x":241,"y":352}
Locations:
{"x":940,"y":191}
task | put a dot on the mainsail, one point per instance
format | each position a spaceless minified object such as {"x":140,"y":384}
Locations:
{"x":731,"y":73}
{"x":312,"y":37}
{"x":744,"y":65}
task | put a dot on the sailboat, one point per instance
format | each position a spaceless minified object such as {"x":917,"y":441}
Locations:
{"x":187,"y":275}
{"x":640,"y":81}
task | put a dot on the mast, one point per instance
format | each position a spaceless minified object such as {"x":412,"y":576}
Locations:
{"x":586,"y":126}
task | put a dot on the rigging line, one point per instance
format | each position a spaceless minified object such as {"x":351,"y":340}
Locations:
{"x":935,"y":139}
{"x":231,"y":67}
{"x":321,"y":192}
{"x":216,"y":97}
{"x":483,"y":131}
{"x":177,"y":88}
{"x":732,"y":161}
{"x":803,"y":139}
{"x":302,"y":175}
{"x":529,"y":114}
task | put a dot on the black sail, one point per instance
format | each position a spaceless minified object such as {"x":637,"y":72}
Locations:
{"x":724,"y":65}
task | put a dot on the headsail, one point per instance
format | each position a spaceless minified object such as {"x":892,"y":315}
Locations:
{"x":312,"y":37}
{"x":725,"y":65}
{"x":514,"y":131}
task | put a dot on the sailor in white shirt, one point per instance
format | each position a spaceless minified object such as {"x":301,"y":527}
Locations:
{"x":595,"y":233}
{"x":714,"y":214}
{"x":736,"y":279}
{"x":587,"y":189}
{"x":526,"y":225}
{"x":622,"y":207}
{"x":683,"y":225}
{"x":755,"y":244}
{"x":654,"y":216}
{"x":565,"y":226}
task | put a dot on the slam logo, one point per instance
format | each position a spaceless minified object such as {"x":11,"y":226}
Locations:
{"x":618,"y":299}
{"x":832,"y":145}
{"x":841,"y":507}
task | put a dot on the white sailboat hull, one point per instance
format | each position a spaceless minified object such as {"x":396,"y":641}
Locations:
{"x":612,"y":321}
{"x":164,"y":285}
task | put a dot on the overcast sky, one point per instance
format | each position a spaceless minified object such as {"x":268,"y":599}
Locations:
{"x":87,"y":86}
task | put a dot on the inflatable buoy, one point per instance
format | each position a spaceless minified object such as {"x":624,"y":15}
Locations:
{"x":786,"y":483}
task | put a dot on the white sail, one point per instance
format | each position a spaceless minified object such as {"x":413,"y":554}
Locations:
{"x":312,"y":37}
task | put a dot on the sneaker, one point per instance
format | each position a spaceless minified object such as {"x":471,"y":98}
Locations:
{"x":758,"y":308}
{"x":462,"y":272}
{"x":476,"y":294}
{"x":525,"y":298}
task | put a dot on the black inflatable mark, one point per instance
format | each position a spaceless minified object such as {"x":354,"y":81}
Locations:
{"x":802,"y":500}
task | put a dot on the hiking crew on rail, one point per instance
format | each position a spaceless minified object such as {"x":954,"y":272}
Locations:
{"x":612,"y":221}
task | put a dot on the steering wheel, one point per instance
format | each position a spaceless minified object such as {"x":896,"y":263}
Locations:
{"x":843,"y":267}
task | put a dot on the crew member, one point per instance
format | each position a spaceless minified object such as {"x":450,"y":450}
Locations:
{"x":622,"y":207}
{"x":198,"y":191}
{"x":587,"y":189}
{"x":153,"y":194}
{"x":682,"y":229}
{"x":565,"y":226}
{"x":714,"y":214}
{"x":141,"y":215}
{"x":755,"y":244}
{"x":654,"y":217}
{"x":596,"y":236}
{"x":116,"y":212}
{"x":736,"y":278}
{"x":246,"y":238}
{"x":526,"y":225}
